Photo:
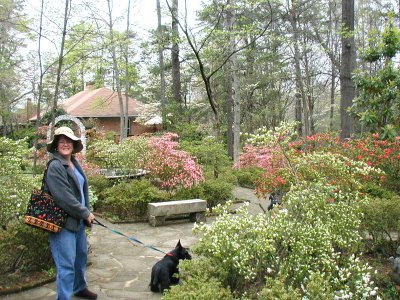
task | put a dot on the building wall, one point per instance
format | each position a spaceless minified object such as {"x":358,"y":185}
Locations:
{"x":112,"y":124}
{"x":109,"y":124}
{"x":138,"y":129}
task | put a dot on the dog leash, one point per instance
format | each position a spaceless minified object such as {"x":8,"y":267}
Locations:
{"x":130,"y":239}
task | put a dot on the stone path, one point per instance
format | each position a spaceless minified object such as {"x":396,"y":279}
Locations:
{"x":120,"y":270}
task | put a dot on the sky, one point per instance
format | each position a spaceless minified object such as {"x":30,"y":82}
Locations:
{"x":143,"y":14}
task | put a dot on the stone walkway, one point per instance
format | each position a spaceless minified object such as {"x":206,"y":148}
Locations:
{"x":120,"y":270}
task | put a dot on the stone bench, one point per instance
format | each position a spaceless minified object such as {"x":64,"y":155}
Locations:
{"x":159,"y":212}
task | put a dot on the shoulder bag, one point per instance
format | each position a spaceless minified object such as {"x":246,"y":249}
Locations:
{"x":42,"y":212}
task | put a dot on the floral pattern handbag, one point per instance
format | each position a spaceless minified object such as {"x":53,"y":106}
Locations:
{"x":42,"y":212}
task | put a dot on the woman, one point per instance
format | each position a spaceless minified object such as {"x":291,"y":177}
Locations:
{"x":68,"y":185}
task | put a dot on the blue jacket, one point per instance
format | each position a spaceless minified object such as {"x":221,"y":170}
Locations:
{"x":63,"y":185}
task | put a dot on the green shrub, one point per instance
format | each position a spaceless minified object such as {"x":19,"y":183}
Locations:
{"x":195,"y":289}
{"x":247,"y":176}
{"x":16,"y":186}
{"x":204,"y":281}
{"x":98,"y":184}
{"x":217,"y":191}
{"x":129,"y":200}
{"x":276,"y":289}
{"x":211,"y":154}
{"x":380,"y":221}
{"x":24,"y":248}
{"x":27,"y":133}
{"x":194,"y":192}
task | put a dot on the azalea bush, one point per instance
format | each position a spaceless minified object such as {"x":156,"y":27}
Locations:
{"x":313,"y":234}
{"x":128,"y":155}
{"x":174,"y":167}
{"x":371,"y":149}
{"x":311,"y":246}
{"x":160,"y":156}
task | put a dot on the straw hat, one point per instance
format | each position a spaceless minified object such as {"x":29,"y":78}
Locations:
{"x":66,"y":131}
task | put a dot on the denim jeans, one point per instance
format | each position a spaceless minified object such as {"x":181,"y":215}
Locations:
{"x":69,"y":250}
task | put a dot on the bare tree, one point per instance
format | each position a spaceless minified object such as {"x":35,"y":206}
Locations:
{"x":197,"y":51}
{"x":116,"y":72}
{"x":301,"y":95}
{"x":40,"y":87}
{"x":60,"y":63}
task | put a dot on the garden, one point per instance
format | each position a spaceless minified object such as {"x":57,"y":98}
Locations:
{"x":329,"y":238}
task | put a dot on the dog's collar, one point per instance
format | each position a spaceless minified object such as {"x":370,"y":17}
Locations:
{"x":169,"y":254}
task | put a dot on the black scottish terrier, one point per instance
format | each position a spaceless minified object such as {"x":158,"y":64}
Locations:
{"x":162,"y":273}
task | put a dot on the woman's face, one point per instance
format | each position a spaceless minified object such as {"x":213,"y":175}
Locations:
{"x":65,"y":146}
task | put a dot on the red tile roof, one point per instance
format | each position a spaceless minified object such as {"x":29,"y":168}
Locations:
{"x":101,"y":102}
{"x":97,"y":103}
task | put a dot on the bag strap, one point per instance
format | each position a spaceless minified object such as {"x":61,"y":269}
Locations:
{"x":45,"y":173}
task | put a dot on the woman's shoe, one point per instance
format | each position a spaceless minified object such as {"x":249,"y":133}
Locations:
{"x":86,"y":294}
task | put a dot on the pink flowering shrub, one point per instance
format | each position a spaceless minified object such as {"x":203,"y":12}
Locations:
{"x":173,"y":166}
{"x":255,"y":156}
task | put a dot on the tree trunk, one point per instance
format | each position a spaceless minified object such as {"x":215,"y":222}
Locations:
{"x":176,"y":72}
{"x":299,"y":79}
{"x":298,"y":114}
{"x":60,"y":64}
{"x":229,"y":86}
{"x":236,"y":110}
{"x":40,"y":89}
{"x":126,"y":119}
{"x":116,"y":74}
{"x":160,"y":34}
{"x":347,"y":66}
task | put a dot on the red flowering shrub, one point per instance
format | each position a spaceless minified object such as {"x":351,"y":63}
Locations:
{"x":174,"y":167}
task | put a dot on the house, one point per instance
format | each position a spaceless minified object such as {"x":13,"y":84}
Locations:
{"x":102,"y":104}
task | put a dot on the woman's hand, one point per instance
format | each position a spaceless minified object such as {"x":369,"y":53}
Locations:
{"x":90,"y":219}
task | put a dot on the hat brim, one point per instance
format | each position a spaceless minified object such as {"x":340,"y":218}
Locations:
{"x":78,"y":146}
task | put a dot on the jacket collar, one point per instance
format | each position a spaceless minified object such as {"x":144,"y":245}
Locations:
{"x":69,"y":171}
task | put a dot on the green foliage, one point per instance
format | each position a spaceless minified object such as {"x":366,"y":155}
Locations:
{"x":277,"y":289}
{"x":24,"y":248}
{"x":128,"y":155}
{"x":16,"y":187}
{"x":209,"y":153}
{"x":201,"y":280}
{"x":215,"y":191}
{"x":99,"y":184}
{"x":247,"y":176}
{"x":380,"y":221}
{"x":195,"y":289}
{"x":46,"y":118}
{"x":27,"y":133}
{"x":128,"y":200}
{"x":377,"y":105}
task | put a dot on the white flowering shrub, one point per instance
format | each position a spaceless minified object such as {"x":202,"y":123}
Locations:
{"x":313,"y":234}
{"x":241,"y":244}
{"x":130,"y":154}
{"x":16,"y":187}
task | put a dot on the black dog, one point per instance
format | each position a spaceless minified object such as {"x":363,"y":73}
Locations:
{"x":275,"y":199}
{"x":162,"y":273}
